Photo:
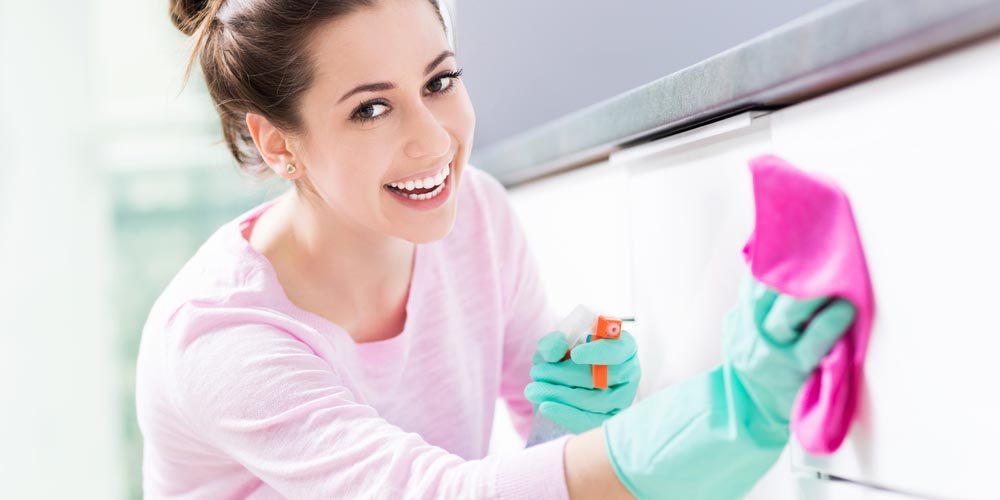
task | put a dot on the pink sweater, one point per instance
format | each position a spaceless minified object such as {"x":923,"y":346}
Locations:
{"x":241,"y":394}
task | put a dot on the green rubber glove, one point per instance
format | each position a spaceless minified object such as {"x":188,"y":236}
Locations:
{"x":713,"y":436}
{"x":564,"y":390}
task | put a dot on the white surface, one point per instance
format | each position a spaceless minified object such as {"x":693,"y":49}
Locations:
{"x":811,"y":488}
{"x":917,"y":153}
{"x":576,"y":224}
{"x":691,"y":210}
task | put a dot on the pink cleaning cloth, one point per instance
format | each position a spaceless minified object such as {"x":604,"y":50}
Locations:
{"x":806,"y":244}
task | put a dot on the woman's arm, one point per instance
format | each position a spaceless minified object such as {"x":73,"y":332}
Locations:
{"x":264,"y":399}
{"x":589,"y":474}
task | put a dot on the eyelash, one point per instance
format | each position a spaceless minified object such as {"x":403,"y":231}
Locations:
{"x":453,"y":75}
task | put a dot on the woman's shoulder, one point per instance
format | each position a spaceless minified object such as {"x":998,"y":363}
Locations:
{"x":224,"y":274}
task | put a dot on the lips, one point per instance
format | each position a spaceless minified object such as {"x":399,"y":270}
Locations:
{"x":423,"y":202}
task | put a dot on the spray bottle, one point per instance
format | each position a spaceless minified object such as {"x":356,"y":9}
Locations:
{"x":581,"y":325}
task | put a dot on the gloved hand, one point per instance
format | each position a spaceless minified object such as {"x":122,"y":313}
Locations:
{"x":715,"y":435}
{"x":564,"y":390}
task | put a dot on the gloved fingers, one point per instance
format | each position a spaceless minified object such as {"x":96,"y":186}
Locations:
{"x":592,"y":400}
{"x":628,"y":372}
{"x":784,"y":321}
{"x":574,"y":419}
{"x":824,"y":330}
{"x":605,"y":351}
{"x":571,"y":374}
{"x":747,"y":315}
{"x":566,"y":373}
{"x":760,"y":298}
{"x":551,"y":348}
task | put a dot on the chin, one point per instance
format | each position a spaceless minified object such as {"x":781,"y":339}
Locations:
{"x":431,"y":231}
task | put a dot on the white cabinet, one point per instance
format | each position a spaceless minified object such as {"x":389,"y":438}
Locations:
{"x":691,"y":210}
{"x":917,"y":152}
{"x":577,"y":225}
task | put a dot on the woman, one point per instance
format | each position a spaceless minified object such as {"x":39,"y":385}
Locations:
{"x":349,"y":338}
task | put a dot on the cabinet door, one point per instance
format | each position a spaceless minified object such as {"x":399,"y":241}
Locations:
{"x":917,"y":153}
{"x":691,"y":211}
{"x":576,"y":224}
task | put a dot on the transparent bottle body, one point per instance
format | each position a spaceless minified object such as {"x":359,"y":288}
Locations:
{"x":543,"y":429}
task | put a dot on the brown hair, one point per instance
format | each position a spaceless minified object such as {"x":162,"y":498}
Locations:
{"x":254,"y":58}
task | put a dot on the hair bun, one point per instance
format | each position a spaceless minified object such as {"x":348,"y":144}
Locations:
{"x":188,"y":14}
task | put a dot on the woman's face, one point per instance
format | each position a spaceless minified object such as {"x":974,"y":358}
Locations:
{"x":414,"y":123}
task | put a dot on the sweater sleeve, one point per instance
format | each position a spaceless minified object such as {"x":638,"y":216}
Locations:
{"x":264,"y":398}
{"x":528,"y":314}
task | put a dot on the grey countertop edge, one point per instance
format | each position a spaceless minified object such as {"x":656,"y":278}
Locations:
{"x":827,"y":49}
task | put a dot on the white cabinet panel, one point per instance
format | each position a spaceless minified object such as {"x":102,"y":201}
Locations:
{"x":691,"y":209}
{"x":576,"y":224}
{"x":917,"y":152}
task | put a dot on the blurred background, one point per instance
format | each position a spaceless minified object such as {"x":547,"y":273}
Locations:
{"x":112,"y":176}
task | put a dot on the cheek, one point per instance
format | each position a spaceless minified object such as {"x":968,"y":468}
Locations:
{"x":359,"y":186}
{"x":351,"y":184}
{"x":467,"y":116}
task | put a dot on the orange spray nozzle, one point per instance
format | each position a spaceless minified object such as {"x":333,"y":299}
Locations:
{"x":583,"y":325}
{"x":607,"y":328}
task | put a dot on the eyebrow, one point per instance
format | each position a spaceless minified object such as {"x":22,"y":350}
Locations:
{"x":374,"y":87}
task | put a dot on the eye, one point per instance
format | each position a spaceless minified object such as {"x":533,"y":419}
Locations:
{"x":435,"y":86}
{"x":366,"y":112}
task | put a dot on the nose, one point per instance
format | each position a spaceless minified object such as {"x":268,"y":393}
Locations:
{"x":427,"y":137}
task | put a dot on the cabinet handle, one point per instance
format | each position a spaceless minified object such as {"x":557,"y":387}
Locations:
{"x":700,"y":134}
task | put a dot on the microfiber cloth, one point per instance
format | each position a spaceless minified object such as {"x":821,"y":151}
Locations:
{"x":805,"y":244}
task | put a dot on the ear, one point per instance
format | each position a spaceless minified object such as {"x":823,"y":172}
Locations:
{"x":274,"y":146}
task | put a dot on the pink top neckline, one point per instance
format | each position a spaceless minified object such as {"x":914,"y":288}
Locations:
{"x":238,"y":241}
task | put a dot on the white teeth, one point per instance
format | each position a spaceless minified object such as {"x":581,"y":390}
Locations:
{"x":426,"y":182}
{"x":426,"y":196}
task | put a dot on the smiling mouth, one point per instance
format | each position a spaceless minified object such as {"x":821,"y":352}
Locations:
{"x":422,"y":189}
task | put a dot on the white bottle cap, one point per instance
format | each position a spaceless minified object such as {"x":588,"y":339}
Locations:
{"x":577,"y":325}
